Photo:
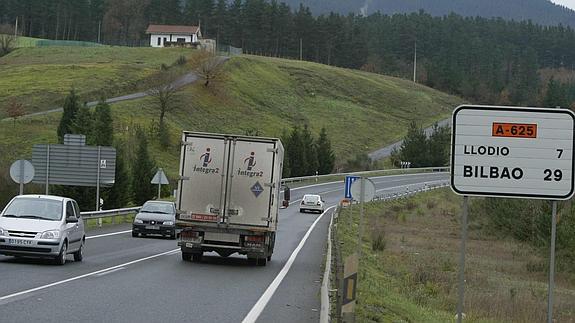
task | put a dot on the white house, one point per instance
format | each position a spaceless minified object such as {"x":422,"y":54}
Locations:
{"x":169,"y":35}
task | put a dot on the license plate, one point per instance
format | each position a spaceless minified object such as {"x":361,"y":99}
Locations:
{"x":16,"y":241}
{"x":189,"y":245}
{"x":153,"y":227}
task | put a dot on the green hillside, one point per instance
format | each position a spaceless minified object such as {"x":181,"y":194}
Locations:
{"x":361,"y":111}
{"x":39,"y":78}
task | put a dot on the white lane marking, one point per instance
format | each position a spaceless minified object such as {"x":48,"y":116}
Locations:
{"x":108,"y":234}
{"x":28,"y":291}
{"x":267,"y":295}
{"x":110,"y":271}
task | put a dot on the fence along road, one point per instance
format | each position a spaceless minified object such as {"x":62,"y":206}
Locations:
{"x":220,"y":289}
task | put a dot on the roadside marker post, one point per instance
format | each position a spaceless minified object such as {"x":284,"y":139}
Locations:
{"x":512,"y":152}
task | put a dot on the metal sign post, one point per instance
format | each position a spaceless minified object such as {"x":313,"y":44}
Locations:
{"x":552,"y":264}
{"x":160,"y":178}
{"x":22,"y":172}
{"x":461,"y":289}
{"x":364,"y":189}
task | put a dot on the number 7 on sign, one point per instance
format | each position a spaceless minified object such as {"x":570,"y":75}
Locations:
{"x":560,"y":151}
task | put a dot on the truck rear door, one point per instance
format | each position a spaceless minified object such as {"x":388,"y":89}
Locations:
{"x":203,"y":170}
{"x":250,"y":191}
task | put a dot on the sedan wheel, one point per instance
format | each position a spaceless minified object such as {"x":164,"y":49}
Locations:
{"x":79,"y":255}
{"x":61,"y":259}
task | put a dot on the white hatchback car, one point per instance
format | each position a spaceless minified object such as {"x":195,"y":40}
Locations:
{"x":312,"y":203}
{"x":42,"y":226}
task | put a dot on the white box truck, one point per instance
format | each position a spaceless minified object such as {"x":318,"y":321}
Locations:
{"x":228,"y":195}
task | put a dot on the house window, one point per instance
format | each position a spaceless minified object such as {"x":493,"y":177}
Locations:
{"x":181,"y":40}
{"x":165,"y":41}
{"x":159,"y":41}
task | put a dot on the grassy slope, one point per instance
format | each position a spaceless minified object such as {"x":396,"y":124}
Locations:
{"x":414,"y":278}
{"x":41,"y":77}
{"x":361,"y":111}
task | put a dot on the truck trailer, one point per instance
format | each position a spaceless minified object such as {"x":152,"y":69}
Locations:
{"x":228,"y":196}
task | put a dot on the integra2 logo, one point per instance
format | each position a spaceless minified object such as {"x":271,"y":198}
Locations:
{"x":206,"y":159}
{"x":250,"y":162}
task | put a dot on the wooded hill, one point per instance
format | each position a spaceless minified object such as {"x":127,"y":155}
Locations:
{"x":486,"y":60}
{"x":539,"y":11}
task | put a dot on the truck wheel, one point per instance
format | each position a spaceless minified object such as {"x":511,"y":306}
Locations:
{"x":261,"y":262}
{"x":269,"y":258}
{"x":197,"y":257}
{"x":186,"y":256}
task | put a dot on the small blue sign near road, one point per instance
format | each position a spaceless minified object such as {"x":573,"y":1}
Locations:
{"x":348,"y":181}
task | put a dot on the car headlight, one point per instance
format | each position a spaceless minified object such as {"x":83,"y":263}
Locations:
{"x":52,"y":234}
{"x":4,"y":233}
{"x":138,"y":221}
{"x":168,"y":223}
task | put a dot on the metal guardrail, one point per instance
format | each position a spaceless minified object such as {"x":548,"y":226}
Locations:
{"x":127,"y":211}
{"x":99,"y":215}
{"x":109,"y":213}
{"x":380,"y":171}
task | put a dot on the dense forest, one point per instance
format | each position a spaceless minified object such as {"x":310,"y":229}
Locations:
{"x":487,"y":60}
{"x":539,"y":11}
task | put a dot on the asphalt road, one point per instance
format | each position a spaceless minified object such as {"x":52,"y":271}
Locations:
{"x":124,"y":279}
{"x":386,"y":151}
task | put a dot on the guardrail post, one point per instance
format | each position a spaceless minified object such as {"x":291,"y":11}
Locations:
{"x":113,"y":219}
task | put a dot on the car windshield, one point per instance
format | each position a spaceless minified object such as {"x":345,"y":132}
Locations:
{"x":34,"y":208}
{"x":157,"y":208}
{"x":310,"y":198}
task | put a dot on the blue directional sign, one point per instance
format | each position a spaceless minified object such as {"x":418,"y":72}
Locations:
{"x":348,"y":181}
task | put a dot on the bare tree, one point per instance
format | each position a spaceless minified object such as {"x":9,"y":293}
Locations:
{"x":7,"y":39}
{"x":209,"y":67}
{"x":163,"y":89}
{"x":15,"y":110}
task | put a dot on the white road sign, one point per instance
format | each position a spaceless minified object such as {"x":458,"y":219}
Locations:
{"x":368,"y":190}
{"x":513,"y":152}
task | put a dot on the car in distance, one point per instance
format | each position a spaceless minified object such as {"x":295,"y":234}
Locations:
{"x":155,"y":217}
{"x":42,"y":226}
{"x":312,"y":203}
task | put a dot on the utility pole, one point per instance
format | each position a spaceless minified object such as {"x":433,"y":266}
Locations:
{"x":415,"y":63}
{"x":16,"y":28}
{"x":301,"y":49}
{"x":99,"y":29}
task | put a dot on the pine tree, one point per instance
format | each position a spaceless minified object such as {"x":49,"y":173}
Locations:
{"x":438,"y":146}
{"x":296,"y":153}
{"x":103,"y":129}
{"x":556,"y":95}
{"x":71,"y":107}
{"x":414,"y":146}
{"x":325,"y":155}
{"x":83,"y":124}
{"x":310,"y":152}
{"x":142,"y":171}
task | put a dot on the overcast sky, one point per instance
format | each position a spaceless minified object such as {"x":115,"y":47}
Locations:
{"x":566,"y":3}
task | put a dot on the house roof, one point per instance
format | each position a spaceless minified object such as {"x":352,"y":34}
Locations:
{"x":172,"y":29}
